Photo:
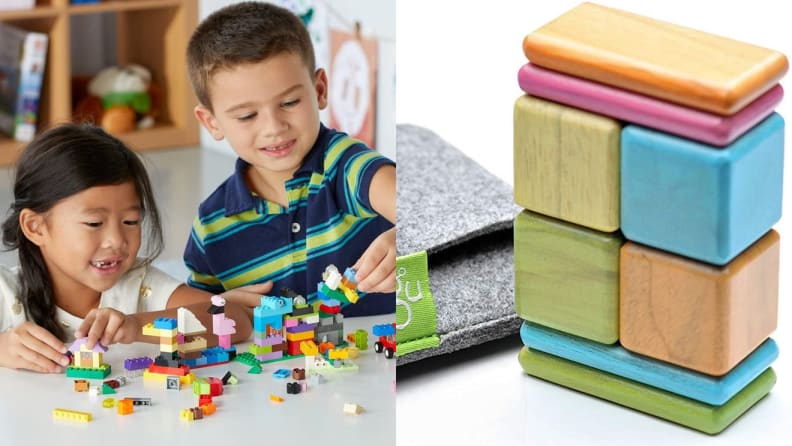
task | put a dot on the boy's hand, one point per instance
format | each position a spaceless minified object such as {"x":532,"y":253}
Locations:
{"x":248,"y":296}
{"x":108,"y":326}
{"x":31,"y":347}
{"x":376,"y":268}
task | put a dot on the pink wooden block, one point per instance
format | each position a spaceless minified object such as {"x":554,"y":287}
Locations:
{"x":635,"y":108}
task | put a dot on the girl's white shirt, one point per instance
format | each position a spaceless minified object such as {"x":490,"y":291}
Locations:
{"x":141,"y":289}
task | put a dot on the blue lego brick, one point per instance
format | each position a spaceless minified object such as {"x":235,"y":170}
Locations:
{"x":619,"y":361}
{"x":350,"y":274}
{"x":383,"y":330}
{"x":275,"y":305}
{"x":165,"y":323}
{"x":701,"y":201}
{"x":281,"y":373}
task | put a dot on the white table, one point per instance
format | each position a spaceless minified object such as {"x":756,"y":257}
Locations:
{"x":245,"y":414}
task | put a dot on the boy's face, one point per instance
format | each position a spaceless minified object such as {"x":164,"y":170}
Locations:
{"x":268,"y":111}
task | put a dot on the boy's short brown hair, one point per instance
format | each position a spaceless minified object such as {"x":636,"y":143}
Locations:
{"x":244,"y":33}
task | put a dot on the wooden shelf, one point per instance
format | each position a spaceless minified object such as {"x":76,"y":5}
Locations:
{"x":152,"y":33}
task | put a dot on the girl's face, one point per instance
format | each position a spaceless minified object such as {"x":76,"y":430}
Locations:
{"x":90,"y":239}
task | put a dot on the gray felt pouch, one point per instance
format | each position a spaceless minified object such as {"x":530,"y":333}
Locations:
{"x":455,"y":265}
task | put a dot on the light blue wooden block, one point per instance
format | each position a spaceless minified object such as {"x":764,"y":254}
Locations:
{"x":618,"y":361}
{"x":701,"y":201}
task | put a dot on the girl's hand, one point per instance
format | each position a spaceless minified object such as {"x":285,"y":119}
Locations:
{"x":108,"y":326}
{"x":31,"y":347}
{"x":376,"y":268}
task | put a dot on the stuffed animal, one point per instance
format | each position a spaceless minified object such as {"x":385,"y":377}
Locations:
{"x":120,"y":100}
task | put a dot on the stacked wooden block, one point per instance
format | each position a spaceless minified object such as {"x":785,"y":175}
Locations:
{"x":649,"y":161}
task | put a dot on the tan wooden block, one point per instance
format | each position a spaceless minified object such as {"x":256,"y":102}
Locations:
{"x":694,"y":314}
{"x":656,"y":58}
{"x":566,"y":163}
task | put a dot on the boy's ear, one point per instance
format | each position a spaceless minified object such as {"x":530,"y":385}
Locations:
{"x":320,"y":82}
{"x":207,"y":119}
{"x":32,"y":225}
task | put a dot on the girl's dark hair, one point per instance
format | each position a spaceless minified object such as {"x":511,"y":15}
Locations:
{"x":58,"y":163}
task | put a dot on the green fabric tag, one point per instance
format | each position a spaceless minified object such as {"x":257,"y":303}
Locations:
{"x":416,"y":317}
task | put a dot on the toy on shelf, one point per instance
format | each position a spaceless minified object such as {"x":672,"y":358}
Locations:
{"x":120,"y":100}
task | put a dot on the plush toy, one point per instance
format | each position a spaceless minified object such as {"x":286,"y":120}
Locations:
{"x":120,"y":99}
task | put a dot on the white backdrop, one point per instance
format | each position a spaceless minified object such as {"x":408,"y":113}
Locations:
{"x":457,"y":75}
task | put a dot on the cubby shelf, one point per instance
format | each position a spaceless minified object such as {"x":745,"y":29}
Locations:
{"x":152,"y":33}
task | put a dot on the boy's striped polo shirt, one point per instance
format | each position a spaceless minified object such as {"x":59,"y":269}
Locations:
{"x":239,"y":238}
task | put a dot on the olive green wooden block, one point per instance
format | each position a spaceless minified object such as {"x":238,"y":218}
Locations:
{"x":643,"y":398}
{"x":566,"y":163}
{"x":567,"y":276}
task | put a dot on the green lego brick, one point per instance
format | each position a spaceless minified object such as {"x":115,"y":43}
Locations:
{"x":81,"y":372}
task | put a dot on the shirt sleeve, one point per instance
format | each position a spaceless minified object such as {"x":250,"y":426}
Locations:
{"x":196,"y":260}
{"x":11,"y":311}
{"x":142,"y":289}
{"x":156,"y":289}
{"x":356,"y":168}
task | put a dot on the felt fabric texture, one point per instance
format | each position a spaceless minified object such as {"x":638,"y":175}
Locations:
{"x":462,"y":216}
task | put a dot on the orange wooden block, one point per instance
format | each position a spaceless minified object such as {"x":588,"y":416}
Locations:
{"x":655,"y":58}
{"x":694,"y":314}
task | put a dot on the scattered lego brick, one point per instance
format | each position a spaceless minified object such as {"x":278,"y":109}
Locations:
{"x":172,"y":382}
{"x":108,"y":403}
{"x":275,"y":398}
{"x":71,"y":415}
{"x":80,"y":385}
{"x":281,"y":373}
{"x":229,"y":378}
{"x":125,"y":406}
{"x":352,"y":409}
{"x":298,"y":374}
{"x":293,"y":388}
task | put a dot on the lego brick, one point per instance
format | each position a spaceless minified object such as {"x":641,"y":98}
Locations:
{"x":312,"y":319}
{"x":698,"y":125}
{"x":80,"y":385}
{"x":276,"y":398}
{"x":160,"y":377}
{"x":302,"y":310}
{"x":361,"y":339}
{"x":301,"y":336}
{"x":293,"y":388}
{"x":290,"y":322}
{"x":178,"y":371}
{"x":172,"y":382}
{"x":101,"y":372}
{"x":309,"y":348}
{"x":643,"y":398}
{"x":229,"y":378}
{"x":71,"y":415}
{"x":300,"y":328}
{"x":165,"y":323}
{"x":140,"y":401}
{"x":352,"y":409}
{"x":381,"y":330}
{"x":616,"y":360}
{"x":108,"y":403}
{"x":641,"y":54}
{"x":567,"y":277}
{"x":293,"y":348}
{"x":566,"y":163}
{"x":698,"y":201}
{"x":139,"y":363}
{"x":125,"y":407}
{"x":330,"y":309}
{"x":270,"y":356}
{"x":697,"y":315}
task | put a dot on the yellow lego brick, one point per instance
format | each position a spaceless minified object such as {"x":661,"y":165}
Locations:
{"x":159,"y":377}
{"x":309,"y":348}
{"x":352,"y":409}
{"x":338,"y":353}
{"x":186,"y":415}
{"x":72,"y":415}
{"x":354,"y":352}
{"x":350,"y":294}
{"x":169,"y":348}
{"x":275,"y":398}
{"x":149,"y":330}
{"x":305,"y":335}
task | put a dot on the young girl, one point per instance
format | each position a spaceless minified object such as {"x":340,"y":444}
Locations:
{"x":81,"y":199}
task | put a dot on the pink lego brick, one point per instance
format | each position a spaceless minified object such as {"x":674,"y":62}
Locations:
{"x":270,"y":356}
{"x":290,"y":323}
{"x":654,"y":113}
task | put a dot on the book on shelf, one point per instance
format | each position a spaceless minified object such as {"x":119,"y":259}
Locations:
{"x":23,"y":56}
{"x":11,"y":5}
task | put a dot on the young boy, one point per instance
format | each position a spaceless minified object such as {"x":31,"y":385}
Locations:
{"x":302,"y":196}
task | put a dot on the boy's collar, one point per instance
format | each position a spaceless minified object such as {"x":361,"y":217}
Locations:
{"x":239,"y":197}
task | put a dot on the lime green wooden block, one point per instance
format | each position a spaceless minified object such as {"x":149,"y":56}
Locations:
{"x":566,"y":163}
{"x":662,"y":404}
{"x":567,"y":277}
